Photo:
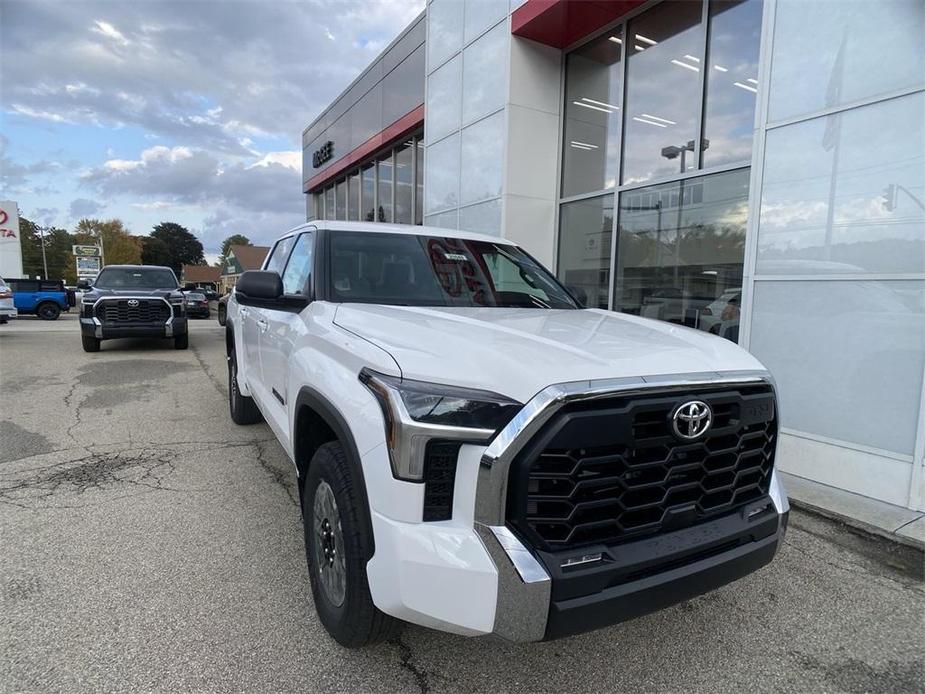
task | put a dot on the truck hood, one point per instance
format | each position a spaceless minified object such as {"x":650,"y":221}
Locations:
{"x":156,"y":293}
{"x":518,"y":352}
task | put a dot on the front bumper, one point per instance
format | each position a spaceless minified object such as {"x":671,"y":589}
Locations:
{"x":8,"y":312}
{"x":197,"y":311}
{"x":93,"y":327}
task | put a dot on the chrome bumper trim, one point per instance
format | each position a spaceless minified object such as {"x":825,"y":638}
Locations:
{"x":522,"y":605}
{"x":168,"y":325}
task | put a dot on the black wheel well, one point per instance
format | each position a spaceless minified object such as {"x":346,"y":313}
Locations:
{"x":229,"y":339}
{"x":312,"y":431}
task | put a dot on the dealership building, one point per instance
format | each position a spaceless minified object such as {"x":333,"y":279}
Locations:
{"x":753,"y":169}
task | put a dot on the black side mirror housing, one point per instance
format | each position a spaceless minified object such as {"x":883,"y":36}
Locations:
{"x":83,"y":284}
{"x":264,"y":289}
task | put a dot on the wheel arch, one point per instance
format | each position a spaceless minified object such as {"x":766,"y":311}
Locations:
{"x":318,"y":421}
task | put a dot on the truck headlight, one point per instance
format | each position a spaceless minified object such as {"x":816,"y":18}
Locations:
{"x":417,"y":412}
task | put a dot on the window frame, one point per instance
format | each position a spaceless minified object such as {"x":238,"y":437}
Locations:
{"x":620,"y":187}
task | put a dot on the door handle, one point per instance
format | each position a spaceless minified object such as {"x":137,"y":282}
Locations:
{"x":262,"y":324}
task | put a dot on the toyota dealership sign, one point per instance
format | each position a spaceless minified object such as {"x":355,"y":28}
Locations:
{"x":10,"y":250}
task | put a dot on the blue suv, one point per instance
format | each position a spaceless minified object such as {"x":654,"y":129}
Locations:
{"x":45,"y":298}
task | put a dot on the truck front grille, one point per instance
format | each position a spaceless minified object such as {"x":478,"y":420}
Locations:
{"x":613,"y":470}
{"x":146,"y":311}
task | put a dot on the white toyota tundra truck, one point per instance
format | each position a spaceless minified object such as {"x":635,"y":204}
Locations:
{"x":477,"y":453}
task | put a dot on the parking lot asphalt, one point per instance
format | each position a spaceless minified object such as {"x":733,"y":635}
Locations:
{"x":149,"y":544}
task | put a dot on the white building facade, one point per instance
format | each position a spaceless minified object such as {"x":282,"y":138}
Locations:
{"x":753,"y":169}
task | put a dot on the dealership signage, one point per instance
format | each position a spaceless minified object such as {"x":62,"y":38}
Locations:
{"x":10,"y":248}
{"x":88,"y":266}
{"x":92,"y":251}
{"x":323,"y":154}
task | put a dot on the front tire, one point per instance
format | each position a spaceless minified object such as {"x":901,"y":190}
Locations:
{"x":243,"y":409}
{"x":338,"y":545}
{"x":90,"y":343}
{"x":181,"y":341}
{"x":221,"y":314}
{"x":48,"y":311}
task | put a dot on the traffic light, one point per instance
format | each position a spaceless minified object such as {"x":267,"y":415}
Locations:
{"x":889,"y":197}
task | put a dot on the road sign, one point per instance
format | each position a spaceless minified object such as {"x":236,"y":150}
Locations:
{"x":86,"y":250}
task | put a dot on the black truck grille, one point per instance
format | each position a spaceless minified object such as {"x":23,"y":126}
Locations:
{"x":145,"y":311}
{"x":614,"y":470}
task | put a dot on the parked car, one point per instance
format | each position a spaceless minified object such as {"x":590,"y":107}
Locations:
{"x":196,"y":305}
{"x":44,"y":298}
{"x":476,"y":453}
{"x":7,"y":307}
{"x":132,"y":301}
{"x":222,"y":308}
{"x":725,"y":308}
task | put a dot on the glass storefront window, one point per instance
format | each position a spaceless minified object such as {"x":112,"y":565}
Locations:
{"x":680,"y":252}
{"x":585,"y":237}
{"x":342,"y":199}
{"x":665,"y":57}
{"x":404,"y":182}
{"x":368,"y":193}
{"x":384,"y":166}
{"x":593,"y":91}
{"x":318,"y":205}
{"x":329,"y":203}
{"x":353,"y":197}
{"x":732,"y":81}
{"x":419,"y":181}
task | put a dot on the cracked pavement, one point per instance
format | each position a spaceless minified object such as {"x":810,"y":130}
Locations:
{"x":149,"y":544}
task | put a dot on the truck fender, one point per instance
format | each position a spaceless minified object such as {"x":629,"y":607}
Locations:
{"x":318,"y":404}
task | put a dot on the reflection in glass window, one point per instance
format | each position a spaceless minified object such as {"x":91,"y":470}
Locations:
{"x":419,"y":181}
{"x":593,"y":86}
{"x":858,"y":49}
{"x":384,"y":212}
{"x":403,"y":183}
{"x":680,"y":252}
{"x":353,"y":197}
{"x":732,"y":81}
{"x":844,"y":194}
{"x":341,"y":195}
{"x":329,"y":212}
{"x":585,"y":236}
{"x":368,"y":193}
{"x":664,"y":48}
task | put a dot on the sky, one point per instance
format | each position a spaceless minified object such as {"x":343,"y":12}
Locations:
{"x":189,"y":112}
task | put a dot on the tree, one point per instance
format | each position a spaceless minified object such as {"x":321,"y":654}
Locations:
{"x":182,"y":247}
{"x":154,"y":251}
{"x":58,"y":256}
{"x":119,"y":246}
{"x":233,"y":240}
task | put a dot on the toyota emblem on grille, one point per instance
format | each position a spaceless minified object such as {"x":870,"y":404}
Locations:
{"x":133,"y":302}
{"x":691,"y":420}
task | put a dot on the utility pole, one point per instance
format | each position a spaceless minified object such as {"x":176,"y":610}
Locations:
{"x":42,"y":231}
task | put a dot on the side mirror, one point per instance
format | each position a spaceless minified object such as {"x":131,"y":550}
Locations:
{"x":83,"y":284}
{"x":579,"y":294}
{"x":264,"y":289}
{"x":189,"y":287}
{"x":259,"y":284}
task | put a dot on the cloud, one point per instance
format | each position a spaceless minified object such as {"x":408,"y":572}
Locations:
{"x":194,"y":72}
{"x":236,"y":197}
{"x":83,"y":207}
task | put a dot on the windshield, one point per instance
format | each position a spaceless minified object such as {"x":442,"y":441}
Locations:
{"x":136,"y":278}
{"x":403,"y":269}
